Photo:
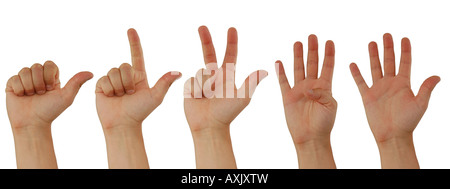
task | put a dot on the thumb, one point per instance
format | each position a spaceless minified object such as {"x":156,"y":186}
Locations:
{"x":249,"y":86}
{"x":321,"y":96}
{"x":162,"y":85}
{"x":424,"y":94}
{"x":74,"y":84}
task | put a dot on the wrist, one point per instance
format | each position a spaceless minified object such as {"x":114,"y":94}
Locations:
{"x":213,"y":148}
{"x":34,"y":147}
{"x":314,"y":145}
{"x":28,"y":121}
{"x":396,"y":145}
{"x":311,"y":142}
{"x":125,"y":147}
{"x":208,"y":126}
{"x":122,"y":131}
{"x":211,"y":131}
{"x":396,"y":142}
{"x":398,"y":152}
{"x":315,"y":154}
{"x":215,"y":136}
{"x":32,"y":131}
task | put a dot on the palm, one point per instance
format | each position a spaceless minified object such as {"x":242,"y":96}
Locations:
{"x":44,"y":108}
{"x":393,"y":100}
{"x":216,"y":109}
{"x":306,"y":117}
{"x":391,"y":107}
{"x":211,"y":110}
{"x":134,"y":108}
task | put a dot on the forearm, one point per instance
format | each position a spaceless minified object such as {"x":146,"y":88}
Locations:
{"x":213,"y":148}
{"x":125,"y":148}
{"x":34,"y":147}
{"x":398,"y":153}
{"x":315,"y":154}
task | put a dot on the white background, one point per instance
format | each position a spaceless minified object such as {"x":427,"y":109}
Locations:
{"x":91,"y":36}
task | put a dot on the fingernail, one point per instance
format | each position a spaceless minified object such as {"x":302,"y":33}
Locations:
{"x":130,"y":91}
{"x":175,"y":73}
{"x":49,"y":87}
{"x":40,"y":92}
{"x":264,"y":74}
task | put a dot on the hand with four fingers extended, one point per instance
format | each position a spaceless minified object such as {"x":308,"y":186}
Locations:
{"x":309,"y":106}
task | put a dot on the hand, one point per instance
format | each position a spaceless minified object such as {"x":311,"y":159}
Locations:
{"x":392,"y":109}
{"x":124,"y":96}
{"x":309,"y":106}
{"x":217,"y":102}
{"x":124,"y":99}
{"x":34,"y":98}
{"x":212,"y":102}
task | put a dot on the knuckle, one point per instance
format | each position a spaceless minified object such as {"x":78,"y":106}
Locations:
{"x":36,"y":66}
{"x":118,"y":90}
{"x":19,"y":91}
{"x":125,"y":66}
{"x":13,"y":78}
{"x":103,"y":79}
{"x":49,"y":63}
{"x":29,"y":91}
{"x":109,"y":93}
{"x":113,"y":71}
{"x":24,"y":70}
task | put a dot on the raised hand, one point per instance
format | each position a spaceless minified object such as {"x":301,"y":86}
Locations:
{"x":212,"y":102}
{"x":124,"y":100}
{"x":309,"y":106}
{"x":392,"y":109}
{"x":34,"y":98}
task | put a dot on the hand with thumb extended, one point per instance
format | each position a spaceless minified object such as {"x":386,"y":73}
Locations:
{"x":392,"y":109}
{"x":34,"y":97}
{"x":124,"y":96}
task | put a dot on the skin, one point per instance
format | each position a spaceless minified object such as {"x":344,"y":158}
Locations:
{"x":124,"y":99}
{"x":392,"y":109}
{"x":309,"y":106}
{"x":209,"y":114}
{"x":34,"y":98}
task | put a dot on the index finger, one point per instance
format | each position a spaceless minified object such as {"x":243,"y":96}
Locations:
{"x":209,"y":53}
{"x":328,"y":63}
{"x":231,"y":52}
{"x":137,"y":57}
